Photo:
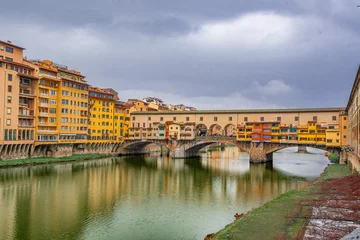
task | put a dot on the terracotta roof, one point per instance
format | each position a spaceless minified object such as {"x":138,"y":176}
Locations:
{"x":25,"y":75}
{"x":284,"y":110}
{"x":17,"y":64}
{"x":71,"y":72}
{"x":48,"y":69}
{"x":10,"y":44}
{"x":75,"y":81}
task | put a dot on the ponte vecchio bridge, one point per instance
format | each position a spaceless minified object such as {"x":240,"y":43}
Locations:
{"x":258,"y":132}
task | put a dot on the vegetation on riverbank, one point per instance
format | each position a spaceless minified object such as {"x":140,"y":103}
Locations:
{"x":47,"y":160}
{"x":279,"y":218}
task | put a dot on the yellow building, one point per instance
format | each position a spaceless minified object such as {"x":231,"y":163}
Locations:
{"x":119,"y":123}
{"x":101,"y":125}
{"x":333,"y":135}
{"x":47,"y":99}
{"x":174,"y":130}
{"x":72,"y":107}
{"x":275,"y":132}
{"x":344,"y":126}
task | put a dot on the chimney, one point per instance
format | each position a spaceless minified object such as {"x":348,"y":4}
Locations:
{"x":8,"y":41}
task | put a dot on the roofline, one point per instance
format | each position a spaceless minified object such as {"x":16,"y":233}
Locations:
{"x":353,"y":89}
{"x":284,"y":110}
{"x":10,"y":44}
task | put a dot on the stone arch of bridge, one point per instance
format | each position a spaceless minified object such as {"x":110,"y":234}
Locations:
{"x":230,"y":130}
{"x":138,"y":147}
{"x":271,"y":148}
{"x":194,"y":150}
{"x":201,"y":130}
{"x":215,"y":130}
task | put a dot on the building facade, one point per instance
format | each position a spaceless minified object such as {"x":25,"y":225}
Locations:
{"x":18,"y":104}
{"x":353,"y":122}
{"x":102,"y":105}
{"x":303,"y":126}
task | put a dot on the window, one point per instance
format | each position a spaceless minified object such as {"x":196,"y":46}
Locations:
{"x":296,"y":118}
{"x":245,"y":119}
{"x":149,"y":118}
{"x":334,"y":118}
{"x":230,"y":118}
{"x":215,"y":119}
{"x":174,"y":118}
{"x":344,"y":118}
{"x":132,"y":118}
{"x":344,"y":127}
{"x":6,"y":135}
{"x":161,"y":119}
{"x":278,"y":119}
{"x":201,"y":119}
{"x":9,"y":77}
{"x":9,"y":50}
{"x":52,"y":101}
{"x":261,"y":119}
{"x":10,"y":60}
{"x":9,"y":88}
{"x":53,"y":120}
{"x":8,"y":110}
{"x":314,"y":118}
{"x":9,"y":99}
{"x":187,"y":119}
{"x":344,"y":136}
{"x":53,"y":92}
{"x":143,"y":125}
{"x":8,"y":122}
{"x":52,"y":110}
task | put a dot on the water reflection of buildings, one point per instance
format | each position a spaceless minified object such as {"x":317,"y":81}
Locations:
{"x":61,"y":200}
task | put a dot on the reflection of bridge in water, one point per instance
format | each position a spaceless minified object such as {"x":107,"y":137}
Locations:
{"x":258,"y":151}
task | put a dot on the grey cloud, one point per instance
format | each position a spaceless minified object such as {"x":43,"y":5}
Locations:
{"x":206,"y":51}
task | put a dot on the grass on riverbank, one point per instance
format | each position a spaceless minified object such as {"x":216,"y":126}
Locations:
{"x":43,"y":160}
{"x":274,"y":219}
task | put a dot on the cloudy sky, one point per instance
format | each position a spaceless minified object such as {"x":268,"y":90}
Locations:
{"x":211,"y":54}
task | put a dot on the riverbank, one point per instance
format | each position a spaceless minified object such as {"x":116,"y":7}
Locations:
{"x":288,"y":216}
{"x":50,"y":160}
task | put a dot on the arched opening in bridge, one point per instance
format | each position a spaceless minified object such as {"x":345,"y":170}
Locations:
{"x":201,"y":130}
{"x":144,"y":147}
{"x":217,"y":149}
{"x":230,"y":130}
{"x":215,"y":130}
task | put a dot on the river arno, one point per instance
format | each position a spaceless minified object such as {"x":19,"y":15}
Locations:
{"x":144,"y":197}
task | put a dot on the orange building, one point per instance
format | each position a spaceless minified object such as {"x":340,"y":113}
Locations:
{"x":17,"y":104}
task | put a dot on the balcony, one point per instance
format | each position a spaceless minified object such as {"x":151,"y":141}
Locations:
{"x":44,"y":114}
{"x":26,"y":94}
{"x":47,"y":131}
{"x":44,"y":104}
{"x":43,"y":123}
{"x":49,"y":76}
{"x":26,"y":126}
{"x":25,"y":84}
{"x":26,"y":114}
{"x":25,"y":105}
{"x":45,"y":95}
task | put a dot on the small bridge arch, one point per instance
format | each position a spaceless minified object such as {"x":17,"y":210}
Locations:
{"x":139,"y":146}
{"x":193,"y":150}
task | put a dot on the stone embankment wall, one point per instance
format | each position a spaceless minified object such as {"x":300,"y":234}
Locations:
{"x":22,"y":151}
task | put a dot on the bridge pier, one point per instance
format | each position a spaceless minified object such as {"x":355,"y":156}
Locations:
{"x":302,"y":149}
{"x":258,"y":153}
